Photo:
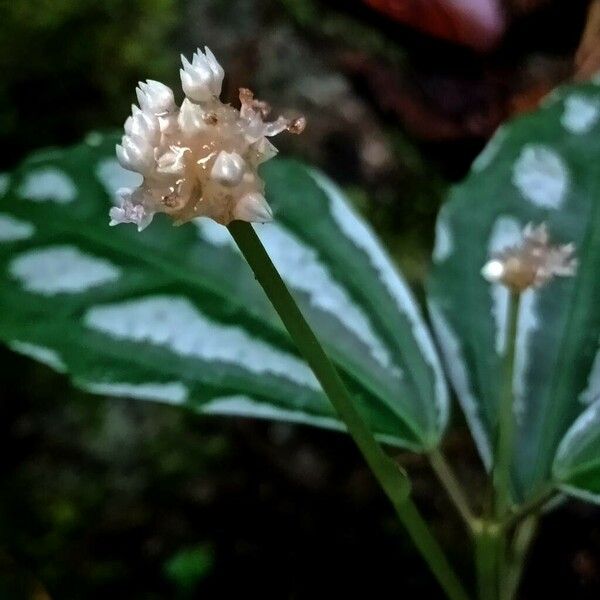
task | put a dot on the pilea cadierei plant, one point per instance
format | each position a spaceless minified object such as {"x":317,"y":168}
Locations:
{"x":176,"y":315}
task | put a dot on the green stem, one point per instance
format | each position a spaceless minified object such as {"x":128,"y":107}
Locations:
{"x":446,"y":475}
{"x":486,"y":560}
{"x":505,"y":436}
{"x":522,"y":541}
{"x":506,"y":420}
{"x":537,"y":504}
{"x":392,"y":479}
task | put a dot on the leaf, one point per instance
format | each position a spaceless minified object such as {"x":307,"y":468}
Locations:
{"x":478,"y":23}
{"x":174,"y":314}
{"x":541,"y":167}
{"x":577,"y":464}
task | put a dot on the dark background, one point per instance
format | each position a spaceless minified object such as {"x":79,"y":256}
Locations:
{"x":112,"y":498}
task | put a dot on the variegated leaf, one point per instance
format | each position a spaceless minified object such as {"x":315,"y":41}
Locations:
{"x":174,"y":314}
{"x":577,"y":464}
{"x":542,"y":167}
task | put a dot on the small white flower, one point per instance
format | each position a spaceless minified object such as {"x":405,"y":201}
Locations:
{"x":155,"y":97}
{"x":201,"y":79}
{"x":129,"y":212}
{"x":143,"y":125}
{"x":531,"y":263}
{"x":216,"y":68}
{"x":254,"y":208}
{"x":228,"y":169}
{"x":135,"y":154}
{"x":191,"y":118}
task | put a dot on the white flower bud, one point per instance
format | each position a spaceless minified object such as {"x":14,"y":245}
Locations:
{"x":216,"y":68}
{"x":143,"y":125}
{"x":168,"y":125}
{"x":135,"y":154}
{"x":253,"y":207}
{"x":493,"y":271}
{"x":228,"y":169}
{"x":201,"y":79}
{"x":155,"y":97}
{"x":190,"y":118}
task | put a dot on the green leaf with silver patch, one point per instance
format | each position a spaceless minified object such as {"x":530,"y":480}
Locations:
{"x":174,"y":314}
{"x":542,"y":167}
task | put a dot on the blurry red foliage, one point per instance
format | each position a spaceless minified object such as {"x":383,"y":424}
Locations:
{"x":478,"y":24}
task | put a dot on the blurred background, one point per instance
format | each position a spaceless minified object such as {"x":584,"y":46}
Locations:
{"x":104,"y":497}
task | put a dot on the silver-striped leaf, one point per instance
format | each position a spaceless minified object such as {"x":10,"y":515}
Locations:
{"x":174,"y":314}
{"x":542,"y":167}
{"x":576,"y":467}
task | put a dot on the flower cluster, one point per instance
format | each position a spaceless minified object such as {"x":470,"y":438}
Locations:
{"x":199,"y":159}
{"x":532,"y":263}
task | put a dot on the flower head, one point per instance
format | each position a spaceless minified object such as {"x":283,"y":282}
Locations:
{"x":532,"y":263}
{"x":200,"y":159}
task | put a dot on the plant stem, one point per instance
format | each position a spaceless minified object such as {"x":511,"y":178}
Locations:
{"x":486,"y":560}
{"x":446,"y":475}
{"x":506,"y":430}
{"x":522,"y":541}
{"x":535,"y":505}
{"x":506,"y":419}
{"x":392,"y":479}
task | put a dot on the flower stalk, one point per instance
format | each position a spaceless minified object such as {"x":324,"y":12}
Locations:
{"x":506,"y":416}
{"x":201,"y":160}
{"x":491,"y":538}
{"x":390,"y":476}
{"x":501,"y":546}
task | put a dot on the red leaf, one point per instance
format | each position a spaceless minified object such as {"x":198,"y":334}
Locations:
{"x":475,"y":23}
